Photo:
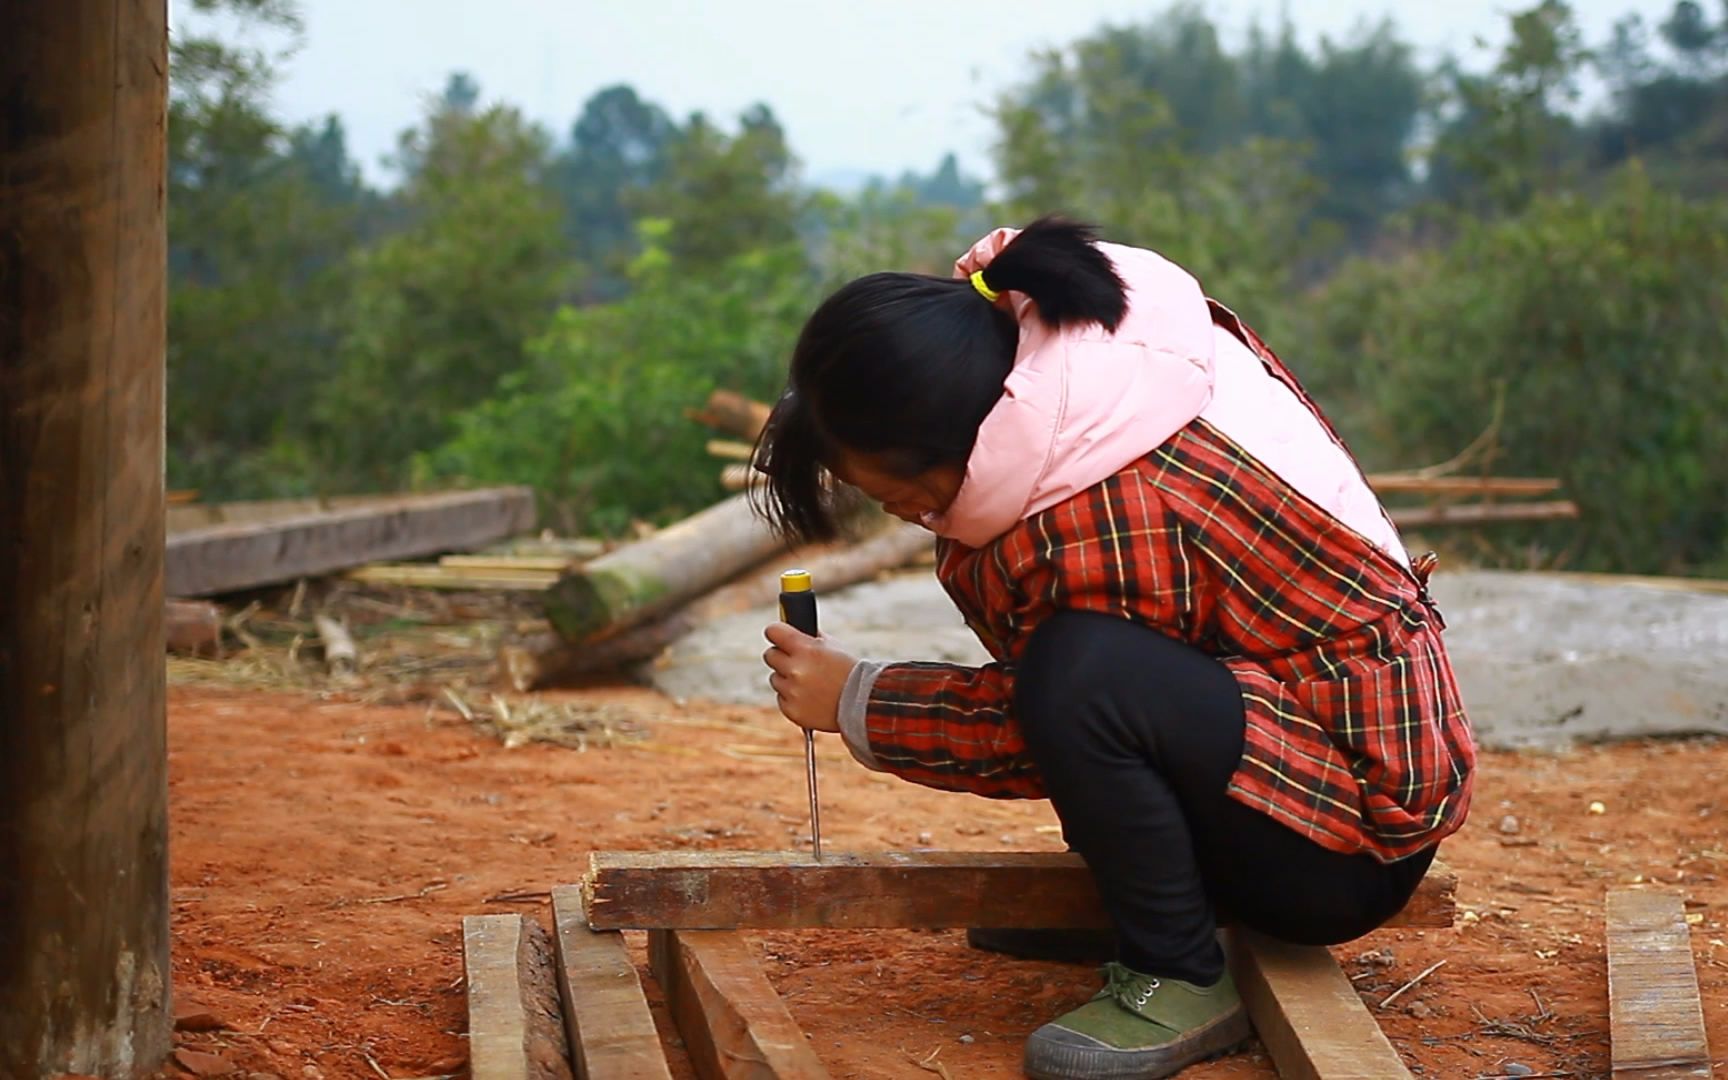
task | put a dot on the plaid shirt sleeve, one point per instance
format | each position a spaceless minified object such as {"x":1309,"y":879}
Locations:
{"x":1114,"y":549}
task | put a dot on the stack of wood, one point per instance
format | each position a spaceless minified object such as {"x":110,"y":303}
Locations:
{"x":1470,"y":500}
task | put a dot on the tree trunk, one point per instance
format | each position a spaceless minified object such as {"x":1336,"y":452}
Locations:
{"x":639,"y":581}
{"x":83,"y":759}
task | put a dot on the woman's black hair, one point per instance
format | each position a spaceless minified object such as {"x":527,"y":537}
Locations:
{"x":905,"y":367}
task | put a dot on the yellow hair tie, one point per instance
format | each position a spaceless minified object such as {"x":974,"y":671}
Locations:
{"x":984,"y":290}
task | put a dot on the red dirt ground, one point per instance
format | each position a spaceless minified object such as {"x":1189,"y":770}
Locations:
{"x":324,"y":854}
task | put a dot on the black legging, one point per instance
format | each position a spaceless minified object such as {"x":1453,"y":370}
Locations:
{"x":1136,"y":736}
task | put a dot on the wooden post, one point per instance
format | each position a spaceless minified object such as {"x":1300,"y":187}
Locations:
{"x":83,"y":761}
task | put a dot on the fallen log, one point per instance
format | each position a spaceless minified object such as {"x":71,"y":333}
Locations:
{"x":738,"y":477}
{"x":341,"y":656}
{"x":733,"y":413}
{"x":637,"y":582}
{"x":777,"y":890}
{"x":194,"y":628}
{"x":542,"y":660}
{"x":228,"y":558}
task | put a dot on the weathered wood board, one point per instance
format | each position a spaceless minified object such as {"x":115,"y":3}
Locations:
{"x":227,"y":558}
{"x":1656,"y":1021}
{"x":515,"y":1028}
{"x":1308,"y":1014}
{"x":715,"y":890}
{"x":611,"y":1032}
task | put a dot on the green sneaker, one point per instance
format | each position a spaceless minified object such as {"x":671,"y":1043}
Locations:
{"x":1138,"y":1028}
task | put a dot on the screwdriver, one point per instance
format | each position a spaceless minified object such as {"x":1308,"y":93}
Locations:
{"x":798,"y":610}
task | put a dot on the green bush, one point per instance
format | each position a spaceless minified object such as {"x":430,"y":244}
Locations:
{"x":1601,"y":323}
{"x":596,"y":420}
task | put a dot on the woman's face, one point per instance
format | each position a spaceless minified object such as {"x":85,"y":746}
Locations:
{"x":907,"y":498}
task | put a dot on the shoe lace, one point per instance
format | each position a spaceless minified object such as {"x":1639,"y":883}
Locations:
{"x":1128,"y":987}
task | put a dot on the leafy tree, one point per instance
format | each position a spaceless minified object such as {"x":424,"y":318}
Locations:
{"x":258,"y":232}
{"x":1085,"y":136}
{"x":1598,"y":323}
{"x":1510,"y":137}
{"x":617,"y":150}
{"x":439,"y":311}
{"x":725,"y":195}
{"x":595,"y":420}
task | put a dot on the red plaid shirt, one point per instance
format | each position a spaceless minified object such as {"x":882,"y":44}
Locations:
{"x":1356,"y":737}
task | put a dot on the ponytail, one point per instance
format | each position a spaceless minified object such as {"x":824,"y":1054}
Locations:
{"x":1056,"y":264}
{"x":905,"y":367}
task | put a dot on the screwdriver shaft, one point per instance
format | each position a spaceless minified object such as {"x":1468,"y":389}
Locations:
{"x":815,"y":803}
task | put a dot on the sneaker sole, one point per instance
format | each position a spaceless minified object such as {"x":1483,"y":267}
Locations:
{"x":1044,"y":1061}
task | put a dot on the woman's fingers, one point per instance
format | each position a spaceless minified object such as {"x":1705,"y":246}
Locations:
{"x":779,"y":660}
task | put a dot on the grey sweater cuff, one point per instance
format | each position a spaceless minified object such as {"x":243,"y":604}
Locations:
{"x":854,"y":705}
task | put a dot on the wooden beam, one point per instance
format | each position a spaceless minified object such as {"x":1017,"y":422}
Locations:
{"x":771,"y":890}
{"x":611,"y":1032}
{"x":1481,"y":513}
{"x":1308,"y":1013}
{"x":1656,"y":1021}
{"x":227,"y":558}
{"x":733,"y":1022}
{"x":514,"y":1027}
{"x":84,"y":975}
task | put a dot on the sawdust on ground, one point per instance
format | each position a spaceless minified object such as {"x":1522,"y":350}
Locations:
{"x":325,"y":852}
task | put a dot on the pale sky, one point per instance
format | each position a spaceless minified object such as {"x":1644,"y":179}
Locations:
{"x":860,"y":87}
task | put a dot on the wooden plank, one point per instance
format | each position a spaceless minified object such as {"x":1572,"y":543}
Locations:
{"x":1656,"y":1021}
{"x":1308,"y":1013}
{"x":226,"y":558}
{"x":514,"y":1022}
{"x":733,"y":1022}
{"x":1417,"y":484}
{"x":422,"y":576}
{"x":84,"y":907}
{"x":1480,"y":513}
{"x":611,"y":1032}
{"x":770,"y":890}
{"x":510,"y":564}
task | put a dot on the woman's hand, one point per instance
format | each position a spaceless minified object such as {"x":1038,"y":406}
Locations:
{"x":809,"y":674}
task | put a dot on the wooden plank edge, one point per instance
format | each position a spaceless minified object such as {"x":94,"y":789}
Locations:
{"x":687,"y":880}
{"x":733,"y":1022}
{"x":1307,"y":1012}
{"x":606,"y":1017}
{"x":514,"y":1028}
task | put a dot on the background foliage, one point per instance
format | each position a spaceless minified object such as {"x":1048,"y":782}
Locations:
{"x":1543,"y":236}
